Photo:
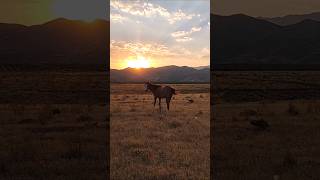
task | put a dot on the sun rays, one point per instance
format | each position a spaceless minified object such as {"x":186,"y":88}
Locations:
{"x":139,"y":62}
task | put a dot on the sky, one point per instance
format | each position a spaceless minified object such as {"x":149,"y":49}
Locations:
{"x":31,"y":12}
{"x":159,"y":33}
{"x":264,"y":8}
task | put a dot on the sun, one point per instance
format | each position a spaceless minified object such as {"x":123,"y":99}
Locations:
{"x":139,"y":62}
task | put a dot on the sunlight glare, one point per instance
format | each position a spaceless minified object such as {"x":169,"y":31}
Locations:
{"x":140,"y":62}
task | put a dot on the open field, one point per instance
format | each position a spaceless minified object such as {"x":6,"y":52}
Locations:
{"x":53,"y":125}
{"x":53,"y":87}
{"x":289,"y":102}
{"x":152,"y":146}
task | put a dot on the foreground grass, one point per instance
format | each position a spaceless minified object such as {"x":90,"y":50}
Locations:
{"x":53,"y":126}
{"x":52,"y":142}
{"x":147,"y":145}
{"x":288,"y":149}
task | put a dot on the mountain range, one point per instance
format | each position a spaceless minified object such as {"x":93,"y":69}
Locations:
{"x":241,"y":39}
{"x":165,"y":74}
{"x":202,"y":67}
{"x":60,"y":41}
{"x":236,"y":40}
{"x":292,"y":19}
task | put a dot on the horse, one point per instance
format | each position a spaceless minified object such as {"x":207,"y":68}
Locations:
{"x":160,"y":92}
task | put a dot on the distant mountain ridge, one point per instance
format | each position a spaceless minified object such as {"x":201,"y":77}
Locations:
{"x":241,"y":39}
{"x":292,"y":19}
{"x":202,"y":67}
{"x":60,"y":41}
{"x":167,"y":74}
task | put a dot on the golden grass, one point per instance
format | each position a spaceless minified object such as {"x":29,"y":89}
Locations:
{"x":289,"y":103}
{"x":50,"y":129}
{"x":148,"y":145}
{"x":52,"y":146}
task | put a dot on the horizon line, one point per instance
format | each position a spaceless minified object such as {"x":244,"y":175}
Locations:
{"x":53,"y":19}
{"x":194,"y":67}
{"x":298,"y":14}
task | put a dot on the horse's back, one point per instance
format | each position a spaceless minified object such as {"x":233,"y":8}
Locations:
{"x":165,"y":91}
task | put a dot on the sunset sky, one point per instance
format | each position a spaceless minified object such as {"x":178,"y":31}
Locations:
{"x":159,"y":33}
{"x":30,"y":12}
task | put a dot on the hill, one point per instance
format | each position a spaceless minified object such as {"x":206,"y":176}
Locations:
{"x":292,"y":19}
{"x":240,"y":39}
{"x":166,"y":74}
{"x":60,"y":41}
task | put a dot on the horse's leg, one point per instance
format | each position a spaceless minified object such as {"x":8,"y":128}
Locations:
{"x":155,"y":100}
{"x":160,"y":104}
{"x":168,"y":103}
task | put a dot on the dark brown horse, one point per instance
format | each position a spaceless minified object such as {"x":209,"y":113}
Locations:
{"x":160,"y":92}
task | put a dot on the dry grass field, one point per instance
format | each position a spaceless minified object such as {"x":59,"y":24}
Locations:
{"x":289,"y":102}
{"x":147,"y":145}
{"x":53,"y":126}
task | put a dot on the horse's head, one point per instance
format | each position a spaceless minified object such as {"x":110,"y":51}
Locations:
{"x":146,"y":86}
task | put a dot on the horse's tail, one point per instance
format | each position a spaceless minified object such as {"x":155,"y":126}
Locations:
{"x":173,"y":91}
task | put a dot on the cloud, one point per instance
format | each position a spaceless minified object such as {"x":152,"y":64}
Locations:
{"x":160,"y":54}
{"x":184,"y":39}
{"x":180,"y":34}
{"x":195,"y":29}
{"x":179,"y":15}
{"x":140,"y":8}
{"x":146,"y":9}
{"x":117,"y":18}
{"x":183,"y":36}
{"x":139,"y":48}
{"x":148,"y":49}
{"x":204,"y":53}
